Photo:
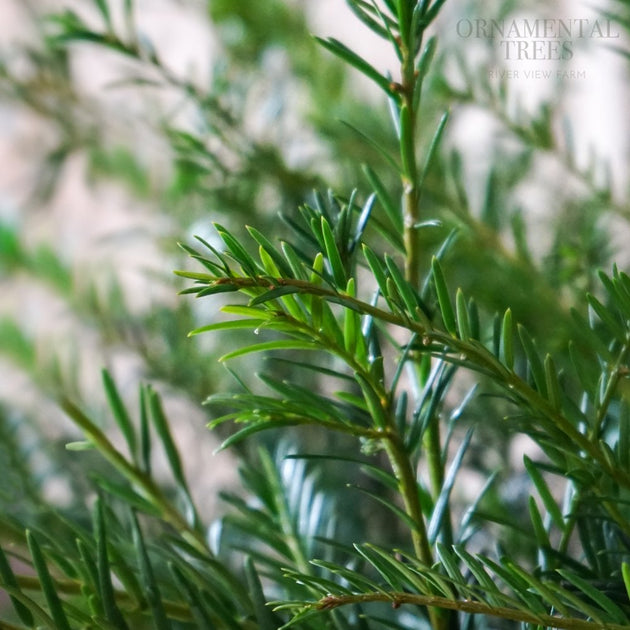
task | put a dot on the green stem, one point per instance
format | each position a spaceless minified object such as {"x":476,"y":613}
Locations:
{"x":435,"y":464}
{"x":398,"y":455}
{"x":432,"y":443}
{"x":396,"y":451}
{"x":175,"y":610}
{"x":136,"y":476}
{"x":408,"y":486}
{"x":411,"y":236}
{"x":411,"y":194}
{"x":468,"y":606}
{"x":478,"y":356}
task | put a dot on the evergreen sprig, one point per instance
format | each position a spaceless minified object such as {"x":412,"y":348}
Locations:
{"x":373,"y":378}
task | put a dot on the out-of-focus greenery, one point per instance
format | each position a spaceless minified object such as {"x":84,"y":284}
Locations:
{"x":390,"y":325}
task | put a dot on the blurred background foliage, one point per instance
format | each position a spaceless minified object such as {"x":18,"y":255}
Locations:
{"x":246,"y":138}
